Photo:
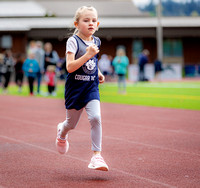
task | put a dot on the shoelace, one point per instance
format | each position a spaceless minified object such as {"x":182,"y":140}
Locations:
{"x":62,"y":141}
{"x":99,"y":158}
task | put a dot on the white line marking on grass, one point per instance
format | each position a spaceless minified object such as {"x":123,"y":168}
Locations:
{"x":85,"y":161}
{"x":157,"y":85}
{"x":170,"y":85}
{"x":155,"y":95}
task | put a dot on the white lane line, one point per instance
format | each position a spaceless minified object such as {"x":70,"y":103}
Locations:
{"x":152,"y":146}
{"x":108,"y":137}
{"x":25,"y":121}
{"x":85,"y":161}
{"x":143,"y":144}
{"x":109,"y":122}
{"x":142,"y":178}
{"x":39,"y":147}
{"x":153,"y":128}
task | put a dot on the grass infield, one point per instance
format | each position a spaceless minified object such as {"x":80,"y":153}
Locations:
{"x":172,"y":95}
{"x":182,"y":95}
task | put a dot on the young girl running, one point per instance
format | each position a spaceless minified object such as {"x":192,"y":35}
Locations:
{"x":81,"y":87}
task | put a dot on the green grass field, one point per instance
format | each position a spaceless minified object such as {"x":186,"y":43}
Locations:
{"x":182,"y":95}
{"x":171,"y":95}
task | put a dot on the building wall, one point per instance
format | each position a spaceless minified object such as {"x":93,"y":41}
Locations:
{"x":19,"y":43}
{"x":191,"y":51}
{"x":191,"y":45}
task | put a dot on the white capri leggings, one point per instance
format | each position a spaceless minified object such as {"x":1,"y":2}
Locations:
{"x":94,"y":116}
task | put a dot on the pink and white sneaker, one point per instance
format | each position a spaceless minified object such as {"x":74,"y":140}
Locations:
{"x":97,"y":163}
{"x":62,"y":145}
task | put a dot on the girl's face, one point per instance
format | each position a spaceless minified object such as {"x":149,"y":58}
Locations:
{"x":87,"y":24}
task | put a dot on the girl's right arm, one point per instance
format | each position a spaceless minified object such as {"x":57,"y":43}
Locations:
{"x":73,"y":65}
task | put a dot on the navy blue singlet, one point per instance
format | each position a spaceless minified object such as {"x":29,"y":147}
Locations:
{"x":81,"y":86}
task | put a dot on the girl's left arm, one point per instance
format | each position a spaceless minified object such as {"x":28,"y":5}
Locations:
{"x":101,"y":77}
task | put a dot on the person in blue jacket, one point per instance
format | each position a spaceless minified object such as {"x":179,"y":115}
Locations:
{"x":120,"y":63}
{"x":31,"y":68}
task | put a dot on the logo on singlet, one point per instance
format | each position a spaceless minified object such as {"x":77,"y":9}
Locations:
{"x":89,"y":67}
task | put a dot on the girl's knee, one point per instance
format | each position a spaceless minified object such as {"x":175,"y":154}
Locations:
{"x":67,"y":125}
{"x":95,"y":119}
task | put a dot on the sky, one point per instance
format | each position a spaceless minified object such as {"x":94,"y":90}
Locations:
{"x":142,"y":3}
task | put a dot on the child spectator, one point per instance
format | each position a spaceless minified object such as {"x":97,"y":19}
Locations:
{"x":31,"y":68}
{"x":120,"y":63}
{"x":50,"y":77}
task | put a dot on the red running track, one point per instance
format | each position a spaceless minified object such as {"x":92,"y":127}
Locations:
{"x":143,"y":146}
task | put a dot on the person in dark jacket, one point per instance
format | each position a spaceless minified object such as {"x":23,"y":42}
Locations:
{"x":19,"y":74}
{"x":143,"y":60}
{"x":158,"y":69}
{"x":7,"y":68}
{"x":50,"y":56}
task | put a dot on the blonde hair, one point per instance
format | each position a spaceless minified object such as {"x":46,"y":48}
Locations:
{"x":1,"y":58}
{"x":79,"y":12}
{"x":146,"y":52}
{"x":51,"y":68}
{"x":121,"y":52}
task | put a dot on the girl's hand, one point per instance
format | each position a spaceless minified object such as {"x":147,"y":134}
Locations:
{"x":92,"y":50}
{"x":74,"y":64}
{"x":101,"y":78}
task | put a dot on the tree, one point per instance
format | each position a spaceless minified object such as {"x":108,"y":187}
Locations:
{"x":172,"y":8}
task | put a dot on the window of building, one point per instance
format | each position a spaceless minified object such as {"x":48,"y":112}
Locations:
{"x":6,"y":42}
{"x":173,"y":48}
{"x":137,"y":48}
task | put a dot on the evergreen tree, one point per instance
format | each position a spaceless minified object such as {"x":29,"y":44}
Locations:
{"x":172,"y":8}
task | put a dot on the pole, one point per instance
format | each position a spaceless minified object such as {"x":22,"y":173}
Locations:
{"x":159,"y":33}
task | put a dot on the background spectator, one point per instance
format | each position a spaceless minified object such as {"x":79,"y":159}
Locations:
{"x":31,"y":68}
{"x":120,"y":63}
{"x":50,"y":77}
{"x":32,"y":47}
{"x":158,"y":69}
{"x":105,"y":66}
{"x":39,"y":57}
{"x":142,"y":61}
{"x":7,"y":68}
{"x":19,"y":74}
{"x":51,"y":57}
{"x":1,"y":64}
